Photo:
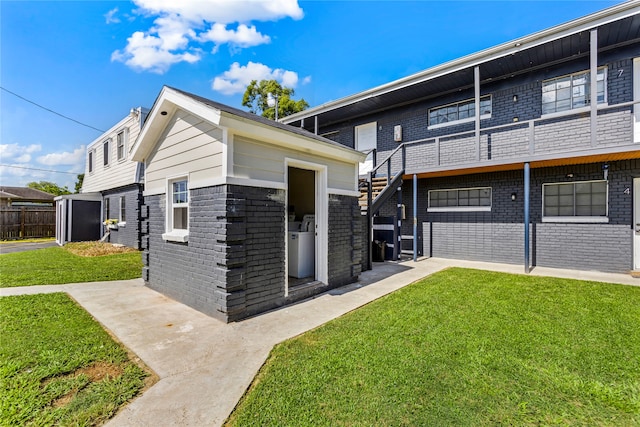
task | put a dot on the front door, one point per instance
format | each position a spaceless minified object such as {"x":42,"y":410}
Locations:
{"x":636,"y":223}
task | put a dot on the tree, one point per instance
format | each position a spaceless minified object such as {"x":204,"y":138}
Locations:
{"x":49,"y":187}
{"x":256,"y":99}
{"x":79,"y":183}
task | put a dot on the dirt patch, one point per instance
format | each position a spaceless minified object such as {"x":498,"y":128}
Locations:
{"x":95,"y":372}
{"x":91,"y":249}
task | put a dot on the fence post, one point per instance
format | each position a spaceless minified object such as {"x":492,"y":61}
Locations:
{"x":22,"y":222}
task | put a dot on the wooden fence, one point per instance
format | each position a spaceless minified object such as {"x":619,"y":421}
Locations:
{"x":27,"y":223}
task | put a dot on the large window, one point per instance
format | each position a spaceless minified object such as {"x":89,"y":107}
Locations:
{"x":460,"y":199}
{"x":572,"y":91}
{"x":459,"y":112}
{"x":177,"y":210}
{"x":105,"y":152}
{"x":575,"y":201}
{"x":121,"y":147}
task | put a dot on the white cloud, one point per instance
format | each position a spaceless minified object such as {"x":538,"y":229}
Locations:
{"x":236,"y":79}
{"x":181,"y":27}
{"x":65,"y":158}
{"x":111,"y":18}
{"x":16,"y":153}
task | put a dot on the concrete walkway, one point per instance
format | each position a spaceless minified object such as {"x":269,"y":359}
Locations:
{"x":205,"y":365}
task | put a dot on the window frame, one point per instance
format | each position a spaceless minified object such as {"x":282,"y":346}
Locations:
{"x":122,"y":218}
{"x":121,"y":143}
{"x":171,"y":233}
{"x":575,"y":109}
{"x":91,"y":160}
{"x":459,"y":208}
{"x":576,"y":218}
{"x":105,"y":208}
{"x":457,"y":104}
{"x":106,"y":153}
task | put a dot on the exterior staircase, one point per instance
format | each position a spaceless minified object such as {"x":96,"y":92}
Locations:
{"x":378,"y":184}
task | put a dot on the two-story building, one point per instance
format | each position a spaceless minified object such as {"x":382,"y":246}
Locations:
{"x":528,"y":152}
{"x":108,"y":206}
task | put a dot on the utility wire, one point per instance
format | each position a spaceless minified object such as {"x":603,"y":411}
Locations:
{"x":49,"y":110}
{"x":36,"y":169}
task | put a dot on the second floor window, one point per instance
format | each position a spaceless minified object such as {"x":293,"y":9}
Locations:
{"x":572,"y":91}
{"x":120,"y":145}
{"x":91,"y":156}
{"x":459,"y":112}
{"x":105,"y":152}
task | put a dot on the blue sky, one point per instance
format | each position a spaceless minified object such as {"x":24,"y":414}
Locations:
{"x":95,"y":60}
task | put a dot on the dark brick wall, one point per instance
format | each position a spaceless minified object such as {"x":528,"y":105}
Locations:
{"x":345,"y":240}
{"x":498,"y":235}
{"x":233,"y":265}
{"x":129,"y":234}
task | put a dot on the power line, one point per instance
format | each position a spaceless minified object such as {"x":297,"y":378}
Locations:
{"x":36,"y":169}
{"x":49,"y":110}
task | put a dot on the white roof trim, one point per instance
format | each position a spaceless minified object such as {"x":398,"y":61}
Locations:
{"x":170,"y":101}
{"x":605,"y":16}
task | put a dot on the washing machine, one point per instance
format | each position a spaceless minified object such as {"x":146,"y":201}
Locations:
{"x":302,"y":249}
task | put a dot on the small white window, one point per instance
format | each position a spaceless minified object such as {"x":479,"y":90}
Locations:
{"x":583,"y":201}
{"x":177,"y":226}
{"x":106,"y":151}
{"x":460,"y":200}
{"x":121,"y":145}
{"x":572,"y":91}
{"x":123,"y":210}
{"x":92,"y":156}
{"x":459,"y":112}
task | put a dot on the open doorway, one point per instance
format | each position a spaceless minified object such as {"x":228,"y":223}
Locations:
{"x":301,"y":226}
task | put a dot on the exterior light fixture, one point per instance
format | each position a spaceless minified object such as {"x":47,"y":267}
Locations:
{"x":515,"y":98}
{"x":163,"y":113}
{"x":514,"y":196}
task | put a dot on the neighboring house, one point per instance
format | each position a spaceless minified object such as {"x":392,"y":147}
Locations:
{"x":16,"y":197}
{"x":528,"y":152}
{"x":243,"y":214}
{"x":111,"y":190}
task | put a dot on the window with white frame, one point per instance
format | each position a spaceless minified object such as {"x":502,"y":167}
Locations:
{"x":91,"y":160}
{"x":177,"y":210}
{"x":105,"y":205}
{"x":572,"y":91}
{"x":123,"y":209}
{"x":121,"y":147}
{"x":575,"y":201}
{"x":460,"y":199}
{"x":105,"y":152}
{"x":459,"y":112}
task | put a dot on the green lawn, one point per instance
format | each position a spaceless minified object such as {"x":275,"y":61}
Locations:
{"x":58,"y":366}
{"x":53,"y":266}
{"x":463,"y":348}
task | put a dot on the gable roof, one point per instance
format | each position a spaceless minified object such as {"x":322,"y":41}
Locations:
{"x":24,"y":193}
{"x":237,"y":121}
{"x":617,"y":26}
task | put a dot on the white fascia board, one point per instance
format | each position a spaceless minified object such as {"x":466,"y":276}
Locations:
{"x":80,"y":196}
{"x":588,"y":22}
{"x":169,"y":101}
{"x":290,"y":140}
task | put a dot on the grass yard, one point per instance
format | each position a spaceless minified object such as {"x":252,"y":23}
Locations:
{"x":58,"y":366}
{"x":73,"y":263}
{"x":464,"y":348}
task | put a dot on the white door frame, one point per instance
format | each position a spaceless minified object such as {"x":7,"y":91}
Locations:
{"x":322,"y":219}
{"x":636,"y":223}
